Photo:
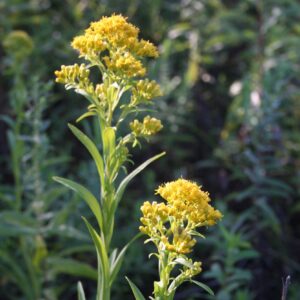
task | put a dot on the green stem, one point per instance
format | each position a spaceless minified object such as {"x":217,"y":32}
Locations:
{"x":165,"y":268}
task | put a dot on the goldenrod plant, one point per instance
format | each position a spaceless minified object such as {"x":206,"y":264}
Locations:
{"x":112,"y":48}
{"x":172,"y":227}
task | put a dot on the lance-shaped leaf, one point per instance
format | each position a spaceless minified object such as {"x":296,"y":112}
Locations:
{"x":91,"y":147}
{"x":130,"y":176}
{"x":86,"y":195}
{"x":109,"y":141}
{"x":86,"y":115}
{"x":72,"y":267}
{"x":80,"y":291}
{"x":103,"y":260}
{"x":204,"y":287}
{"x":117,"y":260}
{"x":136,"y":292}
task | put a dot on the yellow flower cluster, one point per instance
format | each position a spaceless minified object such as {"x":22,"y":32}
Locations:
{"x":189,"y":202}
{"x":74,"y":75}
{"x":171,"y":224}
{"x":113,"y":46}
{"x":124,"y":63}
{"x":149,"y":126}
{"x":145,"y":90}
{"x":115,"y":36}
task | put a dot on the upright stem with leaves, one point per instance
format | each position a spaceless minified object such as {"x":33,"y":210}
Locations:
{"x":112,"y":47}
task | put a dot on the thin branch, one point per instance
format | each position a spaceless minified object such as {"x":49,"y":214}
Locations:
{"x":285,"y":285}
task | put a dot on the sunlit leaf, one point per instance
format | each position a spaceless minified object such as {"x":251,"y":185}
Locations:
{"x":117,"y":261}
{"x":136,"y":292}
{"x":86,"y":195}
{"x":91,"y":147}
{"x":80,"y":291}
{"x":102,"y":257}
{"x":204,"y":287}
{"x":109,"y":141}
{"x":130,"y":176}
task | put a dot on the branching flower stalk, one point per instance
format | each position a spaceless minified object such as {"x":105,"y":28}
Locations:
{"x":112,"y":47}
{"x":171,"y":227}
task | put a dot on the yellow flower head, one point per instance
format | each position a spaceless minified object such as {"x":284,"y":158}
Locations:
{"x":72,"y":74}
{"x":149,"y":126}
{"x":144,"y":91}
{"x":187,"y":208}
{"x":190,"y":201}
{"x":124,"y":64}
{"x":76,"y":76}
{"x":183,"y":190}
{"x":119,"y":40}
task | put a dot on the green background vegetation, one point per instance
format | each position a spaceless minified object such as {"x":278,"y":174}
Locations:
{"x":230,"y":75}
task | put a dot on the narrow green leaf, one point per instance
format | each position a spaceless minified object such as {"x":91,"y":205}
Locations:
{"x":71,"y":250}
{"x":204,"y":287}
{"x":117,"y":260}
{"x":196,"y":233}
{"x":101,"y":250}
{"x":91,"y":147}
{"x":72,"y":267}
{"x":109,"y":141}
{"x":86,"y":115}
{"x":136,"y":292}
{"x":130,"y":176}
{"x":86,"y":195}
{"x":81,"y":295}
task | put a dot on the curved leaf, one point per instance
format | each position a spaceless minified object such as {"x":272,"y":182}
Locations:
{"x":86,"y":195}
{"x":136,"y":292}
{"x":103,"y":261}
{"x":117,"y":260}
{"x":130,"y":176}
{"x":81,"y":295}
{"x":91,"y":147}
{"x":204,"y":287}
{"x":86,"y":115}
{"x":72,"y":267}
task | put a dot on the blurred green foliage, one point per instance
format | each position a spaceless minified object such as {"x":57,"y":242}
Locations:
{"x":231,"y":114}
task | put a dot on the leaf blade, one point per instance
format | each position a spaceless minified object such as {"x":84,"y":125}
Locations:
{"x":92,"y":149}
{"x":135,"y":172}
{"x":117,"y":262}
{"x":136,"y":292}
{"x":204,"y":287}
{"x":85,"y":194}
{"x":80,"y":291}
